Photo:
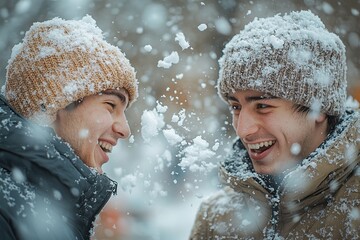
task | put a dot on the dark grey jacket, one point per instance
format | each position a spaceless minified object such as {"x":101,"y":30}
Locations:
{"x":46,"y":191}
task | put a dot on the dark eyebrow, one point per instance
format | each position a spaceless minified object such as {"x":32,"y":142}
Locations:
{"x":118,"y":94}
{"x":232,"y":98}
{"x":259,"y":98}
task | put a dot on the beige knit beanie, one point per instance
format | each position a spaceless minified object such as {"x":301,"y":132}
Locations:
{"x":292,"y":57}
{"x":61,"y":61}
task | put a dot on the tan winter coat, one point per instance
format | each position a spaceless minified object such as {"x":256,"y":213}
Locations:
{"x":320,"y":199}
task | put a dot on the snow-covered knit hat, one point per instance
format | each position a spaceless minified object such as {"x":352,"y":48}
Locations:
{"x":61,"y":61}
{"x":292,"y":57}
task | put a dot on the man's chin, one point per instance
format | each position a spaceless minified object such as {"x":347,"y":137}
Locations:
{"x":264,"y":170}
{"x":99,"y":170}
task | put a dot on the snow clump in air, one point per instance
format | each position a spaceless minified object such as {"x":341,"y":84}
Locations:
{"x":223,"y":26}
{"x":171,"y":136}
{"x":202,"y":27}
{"x":196,"y":156}
{"x":180,"y":37}
{"x":295,"y":148}
{"x":327,"y":8}
{"x":168,"y":61}
{"x":355,"y":12}
{"x":148,"y":48}
{"x":152,"y":122}
{"x":84,"y":133}
{"x":128,"y":182}
{"x":179,"y":118}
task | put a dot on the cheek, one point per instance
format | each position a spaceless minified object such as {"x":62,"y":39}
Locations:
{"x":88,"y":128}
{"x":100,"y":122}
{"x":296,"y":131}
{"x":68,"y":127}
{"x":275,"y":126}
{"x":234,"y":121}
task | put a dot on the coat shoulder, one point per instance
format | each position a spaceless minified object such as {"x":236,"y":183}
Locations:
{"x":231,"y":214}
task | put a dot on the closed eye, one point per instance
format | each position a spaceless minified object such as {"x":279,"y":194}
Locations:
{"x":262,"y":106}
{"x":112,"y":105}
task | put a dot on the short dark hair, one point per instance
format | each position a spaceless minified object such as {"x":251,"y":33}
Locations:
{"x":331,"y":119}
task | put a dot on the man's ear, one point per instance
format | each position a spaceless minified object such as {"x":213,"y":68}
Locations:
{"x":320,"y":118}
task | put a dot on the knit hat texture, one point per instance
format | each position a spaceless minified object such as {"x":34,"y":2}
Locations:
{"x":292,"y":57}
{"x":61,"y":61}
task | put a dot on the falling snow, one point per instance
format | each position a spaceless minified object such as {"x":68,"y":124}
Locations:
{"x":180,"y":129}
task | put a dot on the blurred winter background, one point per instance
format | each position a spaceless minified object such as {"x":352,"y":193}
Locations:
{"x":180,"y":128}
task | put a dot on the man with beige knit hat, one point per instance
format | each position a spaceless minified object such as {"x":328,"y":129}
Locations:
{"x":294,"y":169}
{"x":61,"y":113}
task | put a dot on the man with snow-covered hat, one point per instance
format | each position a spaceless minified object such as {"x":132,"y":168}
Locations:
{"x":61,"y":113}
{"x":294,"y":169}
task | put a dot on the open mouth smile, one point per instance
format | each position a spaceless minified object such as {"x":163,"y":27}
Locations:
{"x":261,"y":147}
{"x":105,"y":146}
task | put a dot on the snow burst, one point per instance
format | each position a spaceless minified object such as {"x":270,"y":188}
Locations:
{"x":197,"y":155}
{"x":171,"y":136}
{"x":152,"y":122}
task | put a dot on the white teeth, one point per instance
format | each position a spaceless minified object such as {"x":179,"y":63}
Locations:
{"x":107,"y":147}
{"x":259,"y":145}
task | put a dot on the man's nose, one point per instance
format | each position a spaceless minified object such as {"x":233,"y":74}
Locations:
{"x":121,"y":127}
{"x":247,"y":124}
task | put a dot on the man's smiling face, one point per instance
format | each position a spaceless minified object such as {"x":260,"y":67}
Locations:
{"x":93,"y":126}
{"x":269,"y":126}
